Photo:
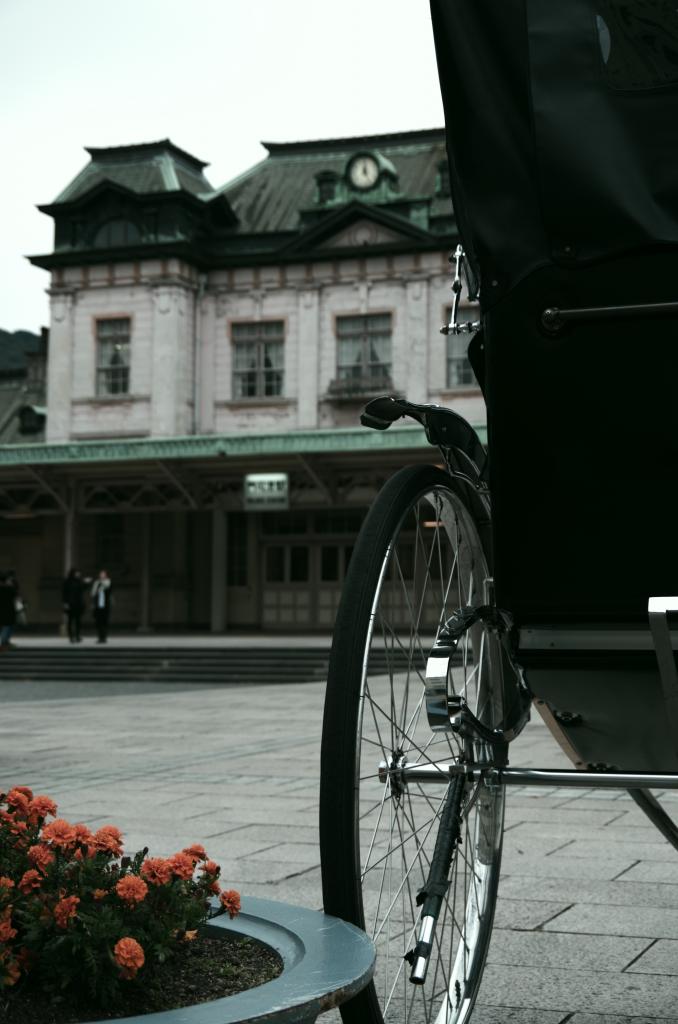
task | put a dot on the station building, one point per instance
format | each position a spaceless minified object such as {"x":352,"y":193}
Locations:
{"x":209,"y":354}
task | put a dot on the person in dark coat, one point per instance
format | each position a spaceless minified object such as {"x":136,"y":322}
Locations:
{"x":9,"y":593}
{"x":102,"y":592}
{"x":73,"y":597}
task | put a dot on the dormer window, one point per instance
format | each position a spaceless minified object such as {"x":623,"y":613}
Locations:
{"x":326,"y":183}
{"x":443,"y":179}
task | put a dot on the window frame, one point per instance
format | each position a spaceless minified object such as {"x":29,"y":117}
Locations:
{"x":105,"y":371}
{"x":259,"y":341}
{"x":466,"y":312}
{"x":366,"y":377}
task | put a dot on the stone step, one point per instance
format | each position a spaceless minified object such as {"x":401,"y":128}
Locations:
{"x":207,"y":665}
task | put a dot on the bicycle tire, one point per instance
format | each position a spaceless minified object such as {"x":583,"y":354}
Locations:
{"x":425,"y":507}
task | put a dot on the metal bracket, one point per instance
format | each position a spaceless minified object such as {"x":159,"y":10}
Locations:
{"x":658,"y":610}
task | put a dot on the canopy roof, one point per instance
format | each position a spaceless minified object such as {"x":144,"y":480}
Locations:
{"x":562,"y":129}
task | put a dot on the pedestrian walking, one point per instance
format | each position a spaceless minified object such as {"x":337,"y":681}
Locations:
{"x":10,"y":602}
{"x":73,"y":597}
{"x":102,"y":592}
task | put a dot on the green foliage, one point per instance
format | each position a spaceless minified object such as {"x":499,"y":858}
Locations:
{"x":77,"y":917}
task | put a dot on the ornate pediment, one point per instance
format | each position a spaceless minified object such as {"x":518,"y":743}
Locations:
{"x":362,"y":232}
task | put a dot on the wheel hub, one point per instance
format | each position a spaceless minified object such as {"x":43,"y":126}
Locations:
{"x":391,"y":771}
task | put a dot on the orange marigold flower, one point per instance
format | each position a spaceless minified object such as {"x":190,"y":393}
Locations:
{"x":211,"y":868}
{"x":26,"y":790}
{"x":196,"y":851}
{"x":215,"y":887}
{"x":59,"y":833}
{"x":100,"y":894}
{"x":6,"y":930}
{"x":156,"y":870}
{"x":230,"y":899}
{"x":129,"y":956}
{"x":40,"y":807}
{"x":18,"y":801}
{"x":131,"y":889}
{"x":30,"y":880}
{"x":82,"y":834}
{"x":108,"y":839}
{"x":182,"y":865}
{"x":5,"y":882}
{"x":65,"y":910}
{"x":190,"y":935}
{"x":41,"y":856}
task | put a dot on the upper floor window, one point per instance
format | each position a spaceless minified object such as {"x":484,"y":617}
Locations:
{"x":364,"y":350}
{"x":113,"y":356}
{"x":459,"y":372}
{"x":258,"y":359}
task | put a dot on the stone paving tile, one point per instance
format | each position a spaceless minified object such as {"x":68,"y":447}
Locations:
{"x":561,"y":866}
{"x":660,"y":958}
{"x":621,"y":893}
{"x":654,"y":871}
{"x":596,"y":1018}
{"x":526,"y":914}
{"x":634,"y":850}
{"x":568,"y":831}
{"x":513,"y":1015}
{"x":654,"y":922}
{"x":292,"y":852}
{"x":532,"y":810}
{"x":545,"y":988}
{"x":575,"y":952}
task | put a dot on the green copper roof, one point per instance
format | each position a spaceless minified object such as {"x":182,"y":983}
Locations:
{"x":301,"y":442}
{"x":269,"y":197}
{"x":144,"y":169}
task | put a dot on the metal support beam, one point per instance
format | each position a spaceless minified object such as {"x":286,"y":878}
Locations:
{"x":178,"y":484}
{"x":320,"y":483}
{"x":48,"y":487}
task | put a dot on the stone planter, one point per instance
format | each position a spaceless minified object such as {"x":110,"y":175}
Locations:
{"x":325,"y":962}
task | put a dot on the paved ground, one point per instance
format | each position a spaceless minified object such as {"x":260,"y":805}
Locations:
{"x":587,"y":922}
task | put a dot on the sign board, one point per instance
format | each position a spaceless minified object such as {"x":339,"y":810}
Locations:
{"x":266,"y":492}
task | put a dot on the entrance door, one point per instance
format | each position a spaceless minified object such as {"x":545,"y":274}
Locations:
{"x":302,"y":584}
{"x":287,"y":589}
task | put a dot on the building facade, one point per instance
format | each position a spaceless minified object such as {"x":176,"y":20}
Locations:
{"x":210,"y":351}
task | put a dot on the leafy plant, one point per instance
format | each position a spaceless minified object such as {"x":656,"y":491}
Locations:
{"x":78,"y":917}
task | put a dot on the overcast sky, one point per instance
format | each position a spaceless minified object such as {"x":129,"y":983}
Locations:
{"x":216,"y":77}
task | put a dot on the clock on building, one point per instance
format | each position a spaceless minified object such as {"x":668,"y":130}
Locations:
{"x":363,"y":171}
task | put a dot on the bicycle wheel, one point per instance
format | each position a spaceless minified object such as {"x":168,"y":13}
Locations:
{"x":418,"y":558}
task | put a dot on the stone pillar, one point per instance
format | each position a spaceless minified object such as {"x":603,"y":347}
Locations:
{"x":416,"y":340}
{"x":69,"y":536}
{"x":308,"y":355}
{"x":145,"y":581}
{"x":218,"y":606}
{"x":59,"y":366}
{"x":206,"y":363}
{"x":172,"y":359}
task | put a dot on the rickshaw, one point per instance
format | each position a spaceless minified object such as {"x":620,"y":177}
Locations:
{"x":538,"y":573}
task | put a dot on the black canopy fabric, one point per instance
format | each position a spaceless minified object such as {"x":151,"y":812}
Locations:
{"x":562,"y":129}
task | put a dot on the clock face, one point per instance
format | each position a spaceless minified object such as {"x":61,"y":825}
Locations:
{"x":364,"y":172}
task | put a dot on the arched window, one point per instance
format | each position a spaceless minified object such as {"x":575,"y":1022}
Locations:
{"x":116,"y":233}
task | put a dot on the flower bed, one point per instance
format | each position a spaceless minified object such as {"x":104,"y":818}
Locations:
{"x":78,"y":919}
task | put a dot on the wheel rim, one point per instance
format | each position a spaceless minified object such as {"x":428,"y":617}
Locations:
{"x":434,"y":565}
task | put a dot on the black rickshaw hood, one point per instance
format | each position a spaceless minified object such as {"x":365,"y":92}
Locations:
{"x":562,"y":130}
